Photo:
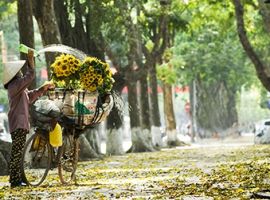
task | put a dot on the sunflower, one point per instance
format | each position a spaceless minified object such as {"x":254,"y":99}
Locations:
{"x":66,"y":68}
{"x":93,"y":74}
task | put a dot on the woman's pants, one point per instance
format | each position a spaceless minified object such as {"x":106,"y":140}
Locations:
{"x":18,"y":141}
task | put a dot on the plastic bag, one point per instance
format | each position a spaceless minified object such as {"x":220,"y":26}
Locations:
{"x":45,"y":110}
{"x":44,"y":113}
{"x":55,"y":136}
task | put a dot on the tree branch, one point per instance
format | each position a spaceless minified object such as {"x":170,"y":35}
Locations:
{"x":259,"y":66}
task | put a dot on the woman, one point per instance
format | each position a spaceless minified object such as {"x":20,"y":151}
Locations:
{"x":18,"y":116}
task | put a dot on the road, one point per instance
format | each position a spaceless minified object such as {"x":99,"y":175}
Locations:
{"x":232,"y":168}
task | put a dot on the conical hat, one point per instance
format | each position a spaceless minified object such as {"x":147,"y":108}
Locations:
{"x":11,"y":68}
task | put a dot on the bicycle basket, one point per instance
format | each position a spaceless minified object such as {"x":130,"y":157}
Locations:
{"x":78,"y":104}
{"x":83,"y":107}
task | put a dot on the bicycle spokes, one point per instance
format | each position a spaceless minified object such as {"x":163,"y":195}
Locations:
{"x":68,"y":158}
{"x":35,"y":161}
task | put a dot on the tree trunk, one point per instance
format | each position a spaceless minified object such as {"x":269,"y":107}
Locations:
{"x":144,"y":102}
{"x":116,"y":115}
{"x":80,"y":35}
{"x":63,"y":22}
{"x":169,"y":116}
{"x":48,"y":28}
{"x":90,"y":144}
{"x":145,"y":113}
{"x":114,"y":140}
{"x":154,"y":108}
{"x":261,"y":69}
{"x":168,"y":107}
{"x":216,"y":109}
{"x":133,"y":104}
{"x":141,"y":140}
{"x":155,"y":114}
{"x":193,"y":104}
{"x":26,"y":28}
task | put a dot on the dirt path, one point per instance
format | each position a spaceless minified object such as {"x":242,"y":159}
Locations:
{"x":216,"y":169}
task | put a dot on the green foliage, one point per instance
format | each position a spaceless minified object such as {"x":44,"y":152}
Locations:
{"x":150,"y":17}
{"x":252,"y":105}
{"x":211,"y":49}
{"x":116,"y":22}
{"x":9,"y":25}
{"x":257,"y":34}
{"x":7,"y":7}
{"x":168,"y":72}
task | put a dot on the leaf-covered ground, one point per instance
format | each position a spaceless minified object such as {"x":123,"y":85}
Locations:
{"x":205,"y":172}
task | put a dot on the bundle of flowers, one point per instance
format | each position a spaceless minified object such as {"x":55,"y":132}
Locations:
{"x":65,"y":72}
{"x":92,"y":74}
{"x":96,"y":75}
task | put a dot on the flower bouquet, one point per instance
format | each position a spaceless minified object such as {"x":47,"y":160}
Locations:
{"x":84,"y":88}
{"x":65,"y":72}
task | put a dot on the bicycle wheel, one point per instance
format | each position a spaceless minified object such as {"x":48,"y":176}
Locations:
{"x":68,"y":158}
{"x":36,"y":160}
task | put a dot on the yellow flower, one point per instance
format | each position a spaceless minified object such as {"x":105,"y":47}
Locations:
{"x":77,"y":62}
{"x":99,"y":76}
{"x":76,"y":66}
{"x":58,"y":63}
{"x":66,"y":73}
{"x":92,"y":88}
{"x":72,"y":69}
{"x":93,"y":74}
{"x":100,"y":81}
{"x":70,"y":57}
{"x":64,"y":68}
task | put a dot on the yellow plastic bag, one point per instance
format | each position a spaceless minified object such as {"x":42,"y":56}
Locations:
{"x":56,"y":136}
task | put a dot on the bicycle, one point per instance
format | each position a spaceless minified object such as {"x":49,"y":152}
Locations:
{"x":39,"y":156}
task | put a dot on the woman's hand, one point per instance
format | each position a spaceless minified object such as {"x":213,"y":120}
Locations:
{"x":48,"y":86}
